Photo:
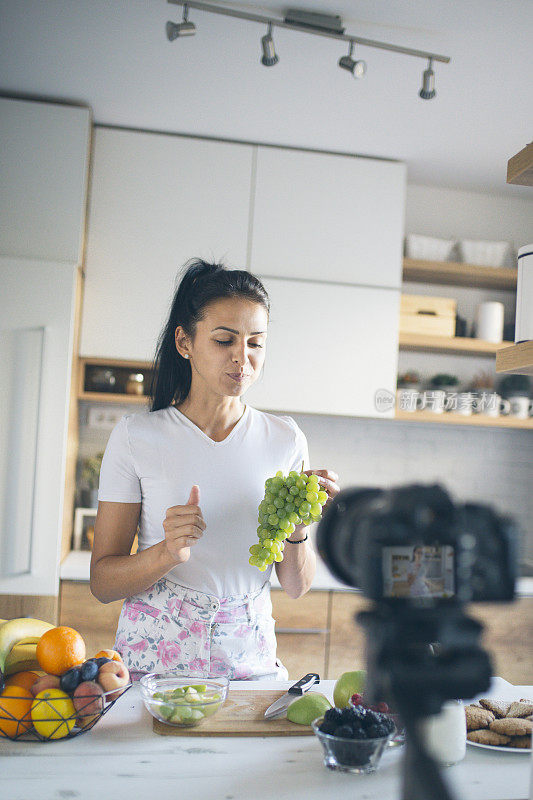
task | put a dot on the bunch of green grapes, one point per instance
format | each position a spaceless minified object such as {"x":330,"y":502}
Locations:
{"x":294,"y":500}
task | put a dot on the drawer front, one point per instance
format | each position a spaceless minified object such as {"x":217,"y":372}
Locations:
{"x":301,"y":653}
{"x":97,"y":622}
{"x":308,"y":614}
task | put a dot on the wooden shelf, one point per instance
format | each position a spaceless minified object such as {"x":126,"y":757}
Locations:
{"x":449,"y":344}
{"x":520,"y":167}
{"x":108,"y":397}
{"x":459,"y":274}
{"x":516,"y":359}
{"x":477,"y":420}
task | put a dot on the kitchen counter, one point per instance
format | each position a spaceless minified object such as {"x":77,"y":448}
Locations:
{"x":122,"y":759}
{"x":76,"y":567}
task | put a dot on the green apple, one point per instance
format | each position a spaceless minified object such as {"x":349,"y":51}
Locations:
{"x":349,"y":683}
{"x":307,"y":708}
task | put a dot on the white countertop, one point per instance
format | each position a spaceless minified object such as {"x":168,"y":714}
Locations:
{"x":76,"y":566}
{"x":122,"y":759}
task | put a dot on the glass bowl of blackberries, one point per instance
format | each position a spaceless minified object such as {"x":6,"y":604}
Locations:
{"x":399,"y":737}
{"x":353,"y":738}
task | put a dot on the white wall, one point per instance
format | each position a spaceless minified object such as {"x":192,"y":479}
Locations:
{"x":457,"y":214}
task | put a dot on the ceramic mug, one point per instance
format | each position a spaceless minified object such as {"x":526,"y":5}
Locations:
{"x":496,"y":406}
{"x":434,"y":400}
{"x":465,"y":402}
{"x":521,"y":407}
{"x":409,"y":400}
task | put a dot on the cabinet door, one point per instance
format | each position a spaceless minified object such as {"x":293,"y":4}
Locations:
{"x":37,"y":331}
{"x":508,"y":637}
{"x":347,"y":638}
{"x":301,"y":631}
{"x":155,"y":202}
{"x":43,"y":179}
{"x":328,"y":217}
{"x":329,"y":348}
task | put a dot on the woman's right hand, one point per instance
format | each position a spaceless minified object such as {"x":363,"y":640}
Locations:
{"x":184,"y":525}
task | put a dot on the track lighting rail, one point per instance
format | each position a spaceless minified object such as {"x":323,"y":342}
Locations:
{"x":230,"y":12}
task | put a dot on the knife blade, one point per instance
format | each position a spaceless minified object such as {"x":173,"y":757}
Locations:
{"x":298,"y":688}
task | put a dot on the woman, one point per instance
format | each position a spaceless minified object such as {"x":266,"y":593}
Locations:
{"x":417,"y":580}
{"x":192,"y":472}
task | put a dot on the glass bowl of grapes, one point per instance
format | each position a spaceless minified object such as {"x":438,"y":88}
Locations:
{"x":383,"y":708}
{"x":185,"y":701}
{"x":353,"y":738}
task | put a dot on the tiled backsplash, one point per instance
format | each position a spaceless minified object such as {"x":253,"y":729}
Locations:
{"x":484,"y":465}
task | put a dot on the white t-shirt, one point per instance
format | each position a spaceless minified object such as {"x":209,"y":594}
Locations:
{"x":155,"y":457}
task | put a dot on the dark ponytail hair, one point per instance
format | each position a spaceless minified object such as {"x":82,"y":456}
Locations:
{"x":201,"y":284}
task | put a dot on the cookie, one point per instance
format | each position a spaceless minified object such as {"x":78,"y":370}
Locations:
{"x":520,"y":742}
{"x":487,"y":737}
{"x":511,"y":726}
{"x":498,"y":707}
{"x":477,"y":718}
{"x":522,"y":709}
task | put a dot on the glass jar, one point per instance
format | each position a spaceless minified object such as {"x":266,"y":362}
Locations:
{"x":135,"y":383}
{"x":101,"y":380}
{"x":444,"y":734}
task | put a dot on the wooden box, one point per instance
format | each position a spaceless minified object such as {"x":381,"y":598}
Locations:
{"x":433,"y":316}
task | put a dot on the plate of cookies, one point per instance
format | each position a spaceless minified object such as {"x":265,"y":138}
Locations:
{"x":501,"y":725}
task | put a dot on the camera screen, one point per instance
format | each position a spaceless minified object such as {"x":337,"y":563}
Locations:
{"x":418,"y":571}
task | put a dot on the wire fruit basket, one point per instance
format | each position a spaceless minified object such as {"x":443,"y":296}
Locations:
{"x":57,"y":725}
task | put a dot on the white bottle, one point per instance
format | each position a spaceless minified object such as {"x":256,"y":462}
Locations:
{"x":444,"y":734}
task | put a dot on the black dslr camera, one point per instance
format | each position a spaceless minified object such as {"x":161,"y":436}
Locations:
{"x":420,"y":557}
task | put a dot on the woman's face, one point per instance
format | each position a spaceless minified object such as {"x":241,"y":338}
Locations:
{"x":217,"y":352}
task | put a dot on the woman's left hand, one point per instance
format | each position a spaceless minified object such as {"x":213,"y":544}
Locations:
{"x":327,"y":481}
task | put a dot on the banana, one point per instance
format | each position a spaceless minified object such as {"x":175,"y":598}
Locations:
{"x":14,"y":630}
{"x":29,"y":640}
{"x":21,"y":657}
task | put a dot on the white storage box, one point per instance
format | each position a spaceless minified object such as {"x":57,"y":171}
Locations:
{"x":486,"y":254}
{"x":428,"y":247}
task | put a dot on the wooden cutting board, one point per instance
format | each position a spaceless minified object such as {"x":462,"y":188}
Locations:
{"x":241,"y":715}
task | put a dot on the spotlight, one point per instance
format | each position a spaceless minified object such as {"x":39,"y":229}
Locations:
{"x":427,"y":92}
{"x":357,"y":68}
{"x":184,"y":28}
{"x":269,"y":54}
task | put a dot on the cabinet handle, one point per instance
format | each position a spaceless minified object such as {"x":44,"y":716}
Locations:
{"x":302,"y":630}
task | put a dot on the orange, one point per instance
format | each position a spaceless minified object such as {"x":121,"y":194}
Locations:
{"x":25,"y":679}
{"x":112,"y":654}
{"x":15,"y":711}
{"x":60,"y":649}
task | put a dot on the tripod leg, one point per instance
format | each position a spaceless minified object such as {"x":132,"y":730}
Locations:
{"x":422,"y":779}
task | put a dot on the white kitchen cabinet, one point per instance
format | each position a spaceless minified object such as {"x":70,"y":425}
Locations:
{"x":156,"y":200}
{"x":37,"y":332}
{"x":43,"y":179}
{"x":329,"y":348}
{"x":328,"y":217}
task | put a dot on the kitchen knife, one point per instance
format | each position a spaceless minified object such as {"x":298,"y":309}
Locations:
{"x":298,"y":688}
